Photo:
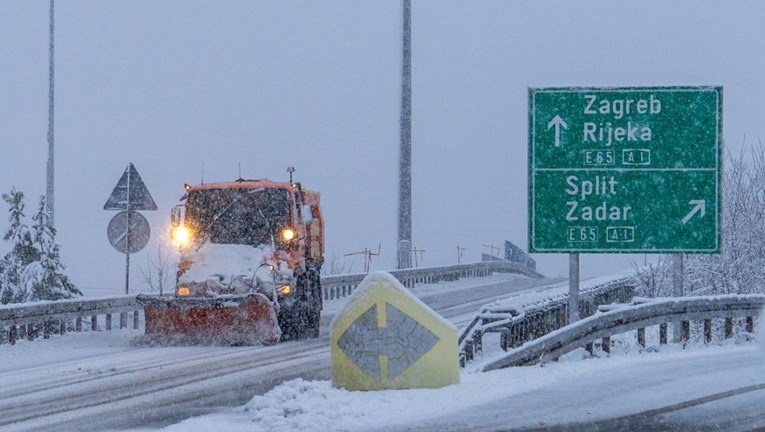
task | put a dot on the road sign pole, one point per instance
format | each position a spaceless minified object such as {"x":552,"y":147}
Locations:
{"x":127,"y":239}
{"x":127,"y":273}
{"x":677,"y":291}
{"x":129,"y":195}
{"x":573,"y":288}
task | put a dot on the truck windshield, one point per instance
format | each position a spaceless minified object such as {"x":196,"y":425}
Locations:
{"x":238,"y":216}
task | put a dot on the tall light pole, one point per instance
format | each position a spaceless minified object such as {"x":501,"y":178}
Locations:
{"x":405,"y":157}
{"x":49,"y":183}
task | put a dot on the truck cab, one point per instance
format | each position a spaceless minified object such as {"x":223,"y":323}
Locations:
{"x":244,"y":239}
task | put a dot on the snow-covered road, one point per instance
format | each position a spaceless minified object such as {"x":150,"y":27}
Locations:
{"x":684,"y":390}
{"x":98,"y":381}
{"x":672,"y":389}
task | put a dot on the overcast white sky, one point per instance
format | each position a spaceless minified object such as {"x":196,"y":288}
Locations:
{"x":190,"y":90}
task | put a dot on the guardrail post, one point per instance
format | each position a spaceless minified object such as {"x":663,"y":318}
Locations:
{"x":663,"y":334}
{"x":94,"y":323}
{"x":686,"y":332}
{"x":12,"y":335}
{"x":108,"y":322}
{"x":504,"y":340}
{"x":78,"y":324}
{"x":123,"y":320}
{"x":728,"y":328}
{"x":62,"y":326}
{"x":469,"y":352}
{"x":641,"y":337}
{"x":517,"y":337}
{"x":750,"y":324}
{"x":708,"y":330}
{"x":135,"y":319}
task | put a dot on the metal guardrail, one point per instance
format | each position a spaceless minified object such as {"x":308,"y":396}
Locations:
{"x":29,"y":319}
{"x":334,"y":287}
{"x":518,"y":324}
{"x":638,"y":317}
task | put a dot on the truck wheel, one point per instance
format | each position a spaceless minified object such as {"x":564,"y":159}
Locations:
{"x":312,"y":331}
{"x":316,"y":306}
{"x":302,"y":320}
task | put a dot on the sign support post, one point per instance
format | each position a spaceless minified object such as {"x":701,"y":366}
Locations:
{"x":127,"y":239}
{"x":573,"y":288}
{"x":677,"y":291}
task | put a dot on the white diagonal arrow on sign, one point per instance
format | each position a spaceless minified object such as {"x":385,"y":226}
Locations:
{"x":403,"y":341}
{"x":699,"y":206}
{"x":558,"y":123}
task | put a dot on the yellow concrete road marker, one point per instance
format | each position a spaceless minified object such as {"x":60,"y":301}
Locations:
{"x":386,"y":338}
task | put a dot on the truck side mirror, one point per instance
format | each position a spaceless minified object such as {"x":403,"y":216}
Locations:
{"x":307,"y":215}
{"x":175,"y":216}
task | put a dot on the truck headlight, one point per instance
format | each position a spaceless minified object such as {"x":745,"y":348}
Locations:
{"x":284,"y":290}
{"x":288,"y":234}
{"x":181,"y":235}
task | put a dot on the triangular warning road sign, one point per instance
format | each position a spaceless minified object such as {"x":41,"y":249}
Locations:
{"x":130,"y":190}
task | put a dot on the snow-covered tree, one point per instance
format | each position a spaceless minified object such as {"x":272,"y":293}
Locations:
{"x":158,"y":272}
{"x":655,"y":280}
{"x":22,"y":252}
{"x":740,"y":266}
{"x":31,"y":270}
{"x":44,"y":280}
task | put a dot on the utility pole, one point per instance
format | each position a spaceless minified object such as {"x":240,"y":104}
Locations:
{"x":460,"y":250}
{"x":417,"y":255}
{"x":49,"y":182}
{"x":368,"y":254}
{"x":405,"y":155}
{"x":493,"y":248}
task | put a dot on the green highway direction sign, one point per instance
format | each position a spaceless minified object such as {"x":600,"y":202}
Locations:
{"x":635,"y":169}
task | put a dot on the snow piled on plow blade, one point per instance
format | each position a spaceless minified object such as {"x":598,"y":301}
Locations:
{"x":224,"y":320}
{"x":216,"y":269}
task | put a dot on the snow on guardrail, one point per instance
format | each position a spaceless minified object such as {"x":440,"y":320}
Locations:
{"x":28,"y":320}
{"x":343,"y":285}
{"x":526,"y":317}
{"x":637,"y":317}
{"x":46,"y":317}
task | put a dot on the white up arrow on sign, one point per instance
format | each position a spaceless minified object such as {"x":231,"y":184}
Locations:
{"x":558,"y":123}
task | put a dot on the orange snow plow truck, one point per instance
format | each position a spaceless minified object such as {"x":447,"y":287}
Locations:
{"x":251,"y":255}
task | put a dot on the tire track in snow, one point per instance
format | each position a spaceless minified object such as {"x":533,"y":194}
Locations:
{"x":172,"y":385}
{"x":140,"y":382}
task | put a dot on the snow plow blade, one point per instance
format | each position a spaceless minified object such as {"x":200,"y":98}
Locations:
{"x":231,"y":320}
